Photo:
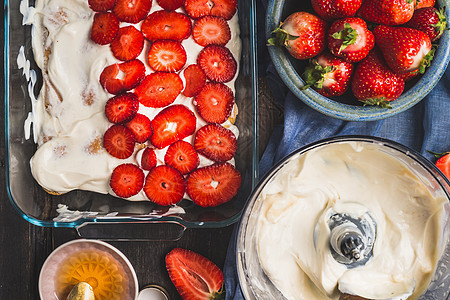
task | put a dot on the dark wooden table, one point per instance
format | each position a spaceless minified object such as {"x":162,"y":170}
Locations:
{"x":24,"y":247}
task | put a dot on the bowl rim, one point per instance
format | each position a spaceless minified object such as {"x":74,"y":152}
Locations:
{"x":332,"y":108}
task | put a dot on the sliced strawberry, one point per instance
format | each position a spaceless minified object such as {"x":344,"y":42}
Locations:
{"x":141,"y":127}
{"x":172,"y":124}
{"x":194,"y":276}
{"x":121,"y":77}
{"x":101,"y":5}
{"x":128,"y":43}
{"x":443,"y":163}
{"x":215,"y":102}
{"x":148,"y":159}
{"x":127,"y":180}
{"x":159,"y":89}
{"x":170,"y":4}
{"x":213,"y":185}
{"x":195,"y":80}
{"x":166,"y":56}
{"x":104,"y":28}
{"x":119,"y":141}
{"x":219,"y":8}
{"x":215,"y":142}
{"x":164,"y":185}
{"x":218,"y":63}
{"x":166,"y":25}
{"x":211,"y":30}
{"x":132,"y":11}
{"x":182,"y":156}
{"x":121,"y":108}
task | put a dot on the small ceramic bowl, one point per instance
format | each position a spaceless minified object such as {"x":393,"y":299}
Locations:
{"x":346,"y":107}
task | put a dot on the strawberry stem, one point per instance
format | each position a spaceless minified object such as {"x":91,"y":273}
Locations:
{"x":348,"y":36}
{"x":219,"y":295}
{"x":438,"y":155}
{"x":315,"y":75}
{"x":441,"y":25}
{"x":281,"y":37}
{"x":426,"y":61}
{"x":382,"y":102}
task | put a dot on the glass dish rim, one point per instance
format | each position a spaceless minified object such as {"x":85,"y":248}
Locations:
{"x":135,"y":219}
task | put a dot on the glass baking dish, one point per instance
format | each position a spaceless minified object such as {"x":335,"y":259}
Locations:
{"x":77,"y":209}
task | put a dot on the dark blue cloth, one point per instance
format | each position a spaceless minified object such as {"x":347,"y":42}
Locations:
{"x":426,"y":126}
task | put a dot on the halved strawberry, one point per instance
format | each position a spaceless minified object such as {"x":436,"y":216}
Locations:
{"x":220,"y":8}
{"x":166,"y":25}
{"x":182,"y":156}
{"x":195,"y":80}
{"x":170,"y":4}
{"x":119,"y":141}
{"x":211,"y":30}
{"x":101,"y":5}
{"x":121,"y":108}
{"x":132,"y":11}
{"x":172,"y":124}
{"x":215,"y":142}
{"x":218,"y":63}
{"x":148,"y":159}
{"x":121,"y":77}
{"x":141,"y":127}
{"x":213,"y":185}
{"x":194,"y":276}
{"x":104,"y":28}
{"x":159,"y":89}
{"x":443,"y":164}
{"x":215,"y":102}
{"x":127,"y":180}
{"x":166,"y":56}
{"x":128,"y":43}
{"x":164,"y":185}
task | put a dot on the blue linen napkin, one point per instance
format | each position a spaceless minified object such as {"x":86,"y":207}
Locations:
{"x":426,"y":126}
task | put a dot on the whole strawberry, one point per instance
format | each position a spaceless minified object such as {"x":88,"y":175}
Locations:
{"x":443,"y":163}
{"x":303,"y":34}
{"x":404,"y":49}
{"x":328,"y":75}
{"x":374,"y":83}
{"x":350,"y":39}
{"x":429,"y":20}
{"x":388,"y":12}
{"x":335,"y":9}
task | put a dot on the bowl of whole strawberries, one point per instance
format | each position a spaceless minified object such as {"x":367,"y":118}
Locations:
{"x":359,"y":60}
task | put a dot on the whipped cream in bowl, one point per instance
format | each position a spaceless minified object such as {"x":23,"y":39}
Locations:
{"x":345,"y":217}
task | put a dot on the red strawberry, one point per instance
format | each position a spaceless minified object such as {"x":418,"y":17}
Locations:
{"x":101,"y":5}
{"x":303,"y":34}
{"x":132,"y":11}
{"x":215,"y":142}
{"x":182,"y":156}
{"x":127,"y":180}
{"x":429,"y":20}
{"x":121,"y":108}
{"x":350,"y":39}
{"x":215,"y":102}
{"x":424,"y":3}
{"x":141,"y":127}
{"x":164,"y":185}
{"x":219,"y":8}
{"x":194,"y":276}
{"x":170,"y":4}
{"x":374,"y":83}
{"x":211,"y":30}
{"x":388,"y":12}
{"x":213,"y":185}
{"x":121,"y":77}
{"x":404,"y":49}
{"x":166,"y":56}
{"x":159,"y":89}
{"x":195,"y":80}
{"x":148,"y":159}
{"x":329,"y":75}
{"x":172,"y":124}
{"x":119,"y":141}
{"x":104,"y":28}
{"x":335,"y":9}
{"x":166,"y":25}
{"x":218,"y":63}
{"x":128,"y":43}
{"x":443,"y":163}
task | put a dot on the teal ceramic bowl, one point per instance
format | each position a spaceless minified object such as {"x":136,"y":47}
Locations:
{"x":346,"y":107}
